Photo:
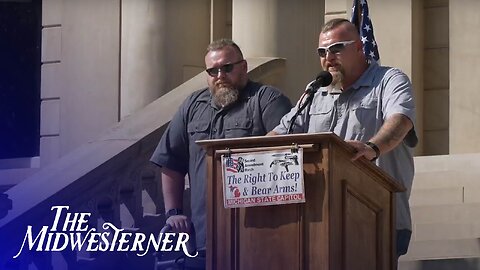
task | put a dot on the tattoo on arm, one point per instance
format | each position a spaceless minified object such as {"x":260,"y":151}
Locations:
{"x":392,"y":132}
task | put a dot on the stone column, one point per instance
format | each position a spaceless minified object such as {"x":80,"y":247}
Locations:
{"x":464,"y":77}
{"x":281,"y":28}
{"x":89,"y":74}
{"x":436,"y":81}
{"x":143,"y":49}
{"x":162,"y":45}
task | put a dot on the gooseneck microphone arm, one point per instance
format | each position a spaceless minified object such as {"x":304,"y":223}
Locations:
{"x":323,"y":79}
{"x":299,"y":110}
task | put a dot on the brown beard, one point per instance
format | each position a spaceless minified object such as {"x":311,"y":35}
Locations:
{"x":338,"y":77}
{"x":225,"y":96}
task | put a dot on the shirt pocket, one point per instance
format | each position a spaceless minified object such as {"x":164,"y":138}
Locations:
{"x":238,"y":127}
{"x":198,"y":130}
{"x":365,"y":117}
{"x":321,"y":116}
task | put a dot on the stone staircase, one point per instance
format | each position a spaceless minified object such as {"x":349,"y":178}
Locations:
{"x":445,"y":204}
{"x":109,"y":177}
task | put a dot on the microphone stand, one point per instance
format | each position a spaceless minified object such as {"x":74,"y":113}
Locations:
{"x":323,"y":79}
{"x":311,"y":93}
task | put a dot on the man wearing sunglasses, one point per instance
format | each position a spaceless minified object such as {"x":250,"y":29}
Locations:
{"x":232,"y":106}
{"x":374,"y":111}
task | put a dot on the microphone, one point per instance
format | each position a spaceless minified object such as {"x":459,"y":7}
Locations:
{"x":323,"y":79}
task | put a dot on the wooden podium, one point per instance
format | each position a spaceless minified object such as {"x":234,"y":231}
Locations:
{"x":347,"y":221}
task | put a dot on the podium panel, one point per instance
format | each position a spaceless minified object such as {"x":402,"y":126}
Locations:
{"x":346,"y":222}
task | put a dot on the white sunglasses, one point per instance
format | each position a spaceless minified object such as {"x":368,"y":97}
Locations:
{"x":334,"y":48}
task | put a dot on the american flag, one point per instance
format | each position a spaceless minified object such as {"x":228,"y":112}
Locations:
{"x":231,"y":165}
{"x":361,"y":19}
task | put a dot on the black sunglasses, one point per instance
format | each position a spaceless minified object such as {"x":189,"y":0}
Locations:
{"x":225,"y":68}
{"x":334,"y":48}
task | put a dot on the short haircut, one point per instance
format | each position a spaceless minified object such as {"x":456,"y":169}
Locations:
{"x":224,"y":42}
{"x":334,"y":23}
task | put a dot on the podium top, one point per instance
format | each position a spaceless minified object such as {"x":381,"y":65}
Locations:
{"x":256,"y":141}
{"x":263,"y":143}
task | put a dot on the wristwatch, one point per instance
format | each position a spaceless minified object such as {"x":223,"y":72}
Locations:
{"x":375,"y":148}
{"x":173,"y":212}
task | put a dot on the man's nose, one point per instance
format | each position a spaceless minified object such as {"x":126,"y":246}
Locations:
{"x":221,"y":73}
{"x":329,"y":55}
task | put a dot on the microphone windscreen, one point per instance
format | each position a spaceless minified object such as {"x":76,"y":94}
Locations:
{"x":325,"y":78}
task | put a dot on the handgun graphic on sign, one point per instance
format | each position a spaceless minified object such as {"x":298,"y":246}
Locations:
{"x":287,"y":160}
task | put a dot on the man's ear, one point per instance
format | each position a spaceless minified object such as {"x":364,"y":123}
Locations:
{"x":245,"y":66}
{"x":359,"y":45}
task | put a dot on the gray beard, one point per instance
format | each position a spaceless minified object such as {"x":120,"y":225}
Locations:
{"x":224,"y":96}
{"x":336,"y":86}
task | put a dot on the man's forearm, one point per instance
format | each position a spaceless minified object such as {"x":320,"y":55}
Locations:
{"x":271,"y":133}
{"x":392,"y":132}
{"x":173,"y":185}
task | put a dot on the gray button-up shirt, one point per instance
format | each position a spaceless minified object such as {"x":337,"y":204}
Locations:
{"x":358,"y":113}
{"x":258,"y":111}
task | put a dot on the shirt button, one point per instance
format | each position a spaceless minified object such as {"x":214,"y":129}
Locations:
{"x":214,"y":130}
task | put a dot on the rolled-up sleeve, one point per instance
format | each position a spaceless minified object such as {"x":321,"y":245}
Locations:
{"x":172,"y":151}
{"x":398,"y":95}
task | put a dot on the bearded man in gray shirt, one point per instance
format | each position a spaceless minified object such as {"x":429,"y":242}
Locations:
{"x":369,"y":106}
{"x":231,"y":106}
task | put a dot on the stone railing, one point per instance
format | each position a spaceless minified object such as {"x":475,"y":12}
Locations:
{"x":110,"y":178}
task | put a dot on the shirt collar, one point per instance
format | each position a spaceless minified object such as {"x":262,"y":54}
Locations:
{"x":365,"y":80}
{"x":367,"y":77}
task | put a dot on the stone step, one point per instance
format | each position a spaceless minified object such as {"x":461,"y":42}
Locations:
{"x":447,"y":222}
{"x":442,"y":249}
{"x":451,"y":178}
{"x":445,"y":232}
{"x":447,"y":162}
{"x":445,"y":214}
{"x":441,"y":264}
{"x":437,"y":196}
{"x":445,"y":195}
{"x":449,"y":231}
{"x":445,"y":205}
